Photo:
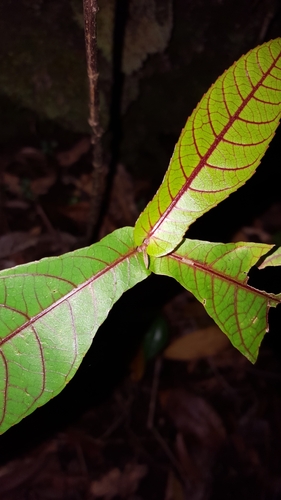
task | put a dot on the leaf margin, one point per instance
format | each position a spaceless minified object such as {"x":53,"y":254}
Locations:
{"x":20,"y":343}
{"x":170,"y":265}
{"x":148,"y":223}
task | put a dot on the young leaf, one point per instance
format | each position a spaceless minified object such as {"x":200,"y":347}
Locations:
{"x":218,"y":150}
{"x":50,"y":311}
{"x":217,"y":275}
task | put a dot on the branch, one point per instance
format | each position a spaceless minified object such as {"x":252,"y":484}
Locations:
{"x":99,"y":169}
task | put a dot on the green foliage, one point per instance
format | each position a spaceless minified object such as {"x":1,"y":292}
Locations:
{"x":50,"y":312}
{"x":216,"y":274}
{"x":51,"y":309}
{"x":218,"y":150}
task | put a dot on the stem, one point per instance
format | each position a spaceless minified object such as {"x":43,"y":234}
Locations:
{"x":99,"y":169}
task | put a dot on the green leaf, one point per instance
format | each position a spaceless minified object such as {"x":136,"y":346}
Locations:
{"x":50,"y":311}
{"x":217,"y":275}
{"x":218,"y":150}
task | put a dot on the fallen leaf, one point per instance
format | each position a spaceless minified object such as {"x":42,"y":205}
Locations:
{"x":118,"y":483}
{"x":198,"y":344}
{"x":78,"y":212}
{"x":17,"y":204}
{"x":200,"y":435}
{"x":194,"y":417}
{"x":29,"y":153}
{"x":19,"y":471}
{"x":71,"y":156}
{"x":12,"y":183}
{"x":42,"y":184}
{"x":83,"y":184}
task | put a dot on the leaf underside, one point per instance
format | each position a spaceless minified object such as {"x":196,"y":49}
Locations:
{"x":216,"y":274}
{"x":50,"y":311}
{"x":273,"y":260}
{"x":218,"y":150}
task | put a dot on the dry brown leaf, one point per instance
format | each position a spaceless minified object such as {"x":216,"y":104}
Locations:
{"x":194,"y":417}
{"x":12,"y":183}
{"x":42,"y":184}
{"x":17,"y":204}
{"x":118,"y":483}
{"x":78,"y":212}
{"x":200,"y":435}
{"x":38,"y":186}
{"x":68,"y":158}
{"x":19,"y":471}
{"x":29,"y":153}
{"x":198,"y":344}
{"x":185,"y":458}
{"x":83,"y":184}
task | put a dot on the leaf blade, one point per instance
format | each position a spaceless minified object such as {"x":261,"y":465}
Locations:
{"x":50,"y":311}
{"x":216,"y":274}
{"x":218,"y":150}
